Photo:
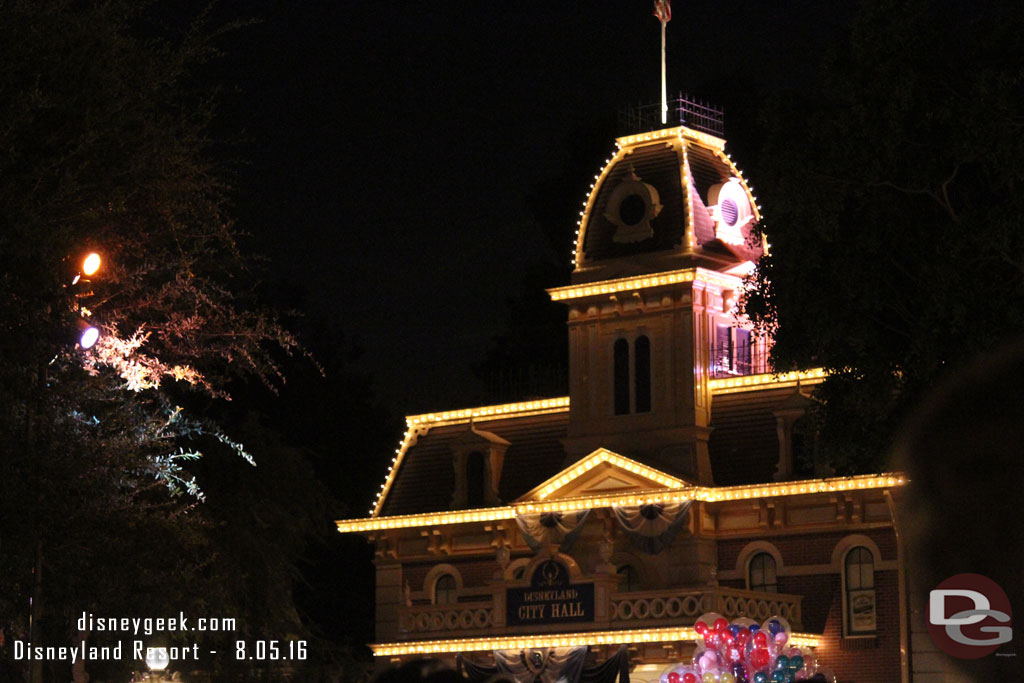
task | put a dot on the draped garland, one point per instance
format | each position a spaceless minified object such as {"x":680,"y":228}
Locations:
{"x":548,"y":665}
{"x":652,"y":528}
{"x":548,"y":528}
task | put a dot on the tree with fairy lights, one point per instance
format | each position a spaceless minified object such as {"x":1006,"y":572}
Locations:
{"x":105,"y":147}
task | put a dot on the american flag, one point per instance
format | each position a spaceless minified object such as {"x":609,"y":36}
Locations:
{"x":663,"y":10}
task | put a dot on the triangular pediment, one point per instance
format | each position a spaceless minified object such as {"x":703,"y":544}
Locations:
{"x":603,"y":472}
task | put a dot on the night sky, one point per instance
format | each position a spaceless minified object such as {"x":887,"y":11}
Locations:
{"x":390,"y":152}
{"x":391,"y":148}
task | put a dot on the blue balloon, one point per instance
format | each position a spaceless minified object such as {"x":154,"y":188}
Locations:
{"x":735,"y":629}
{"x":754,"y":628}
{"x":774,"y":626}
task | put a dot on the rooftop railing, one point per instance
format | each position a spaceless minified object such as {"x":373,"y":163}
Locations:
{"x":738,"y":360}
{"x":683,"y":110}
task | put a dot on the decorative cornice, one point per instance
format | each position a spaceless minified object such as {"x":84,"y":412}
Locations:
{"x":522,"y":642}
{"x":632,"y":284}
{"x":708,"y":494}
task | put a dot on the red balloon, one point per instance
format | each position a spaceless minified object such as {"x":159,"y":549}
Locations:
{"x":727,"y":638}
{"x":701,"y":628}
{"x":689,"y":678}
{"x":673,"y":677}
{"x":760,"y":639}
{"x":760,"y":658}
{"x":743,"y":636}
{"x":721,"y":625}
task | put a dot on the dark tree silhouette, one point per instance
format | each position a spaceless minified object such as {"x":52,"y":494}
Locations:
{"x":893,"y":203}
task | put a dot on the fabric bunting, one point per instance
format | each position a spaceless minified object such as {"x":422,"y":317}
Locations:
{"x":652,"y":528}
{"x":551,"y":528}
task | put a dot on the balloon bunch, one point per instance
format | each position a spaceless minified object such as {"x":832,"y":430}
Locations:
{"x":747,"y":652}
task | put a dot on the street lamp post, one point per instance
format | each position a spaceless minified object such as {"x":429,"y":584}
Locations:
{"x":87,"y":336}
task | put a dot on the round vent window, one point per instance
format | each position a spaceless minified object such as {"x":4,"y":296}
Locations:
{"x":730,"y":212}
{"x":632,"y":209}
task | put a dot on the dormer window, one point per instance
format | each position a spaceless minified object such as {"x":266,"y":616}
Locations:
{"x":477,"y":456}
{"x":632,"y":380}
{"x":475,"y":479}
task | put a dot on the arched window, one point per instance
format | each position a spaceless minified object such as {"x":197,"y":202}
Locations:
{"x":444,"y":590}
{"x":629,"y":579}
{"x":621,"y":378}
{"x":642,"y":373}
{"x":859,"y":591}
{"x":475,"y":479}
{"x":761,"y":575}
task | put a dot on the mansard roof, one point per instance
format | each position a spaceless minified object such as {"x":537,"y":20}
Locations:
{"x":743,"y":448}
{"x":665,"y":200}
{"x":425,"y":477}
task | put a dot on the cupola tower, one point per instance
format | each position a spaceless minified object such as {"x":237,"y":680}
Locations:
{"x":665,"y":238}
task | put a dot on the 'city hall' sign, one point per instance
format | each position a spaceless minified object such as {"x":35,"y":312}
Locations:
{"x":550,"y":598}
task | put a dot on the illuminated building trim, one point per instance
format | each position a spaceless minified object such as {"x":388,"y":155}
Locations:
{"x":708,"y":494}
{"x":603,"y":455}
{"x":432,"y":519}
{"x":772,"y":380}
{"x":543,"y":640}
{"x":690,"y":239}
{"x":629,"y":284}
{"x":588,"y":205}
{"x":539,"y":407}
{"x":666,"y":133}
{"x":408,"y":439}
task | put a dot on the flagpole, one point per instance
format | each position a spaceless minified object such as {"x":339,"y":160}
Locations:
{"x":664,"y":94}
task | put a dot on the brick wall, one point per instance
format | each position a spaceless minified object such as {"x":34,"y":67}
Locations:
{"x":854,"y":660}
{"x":476,"y":573}
{"x":806,"y":549}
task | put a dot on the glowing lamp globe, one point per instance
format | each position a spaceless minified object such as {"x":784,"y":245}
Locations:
{"x":89,"y":336}
{"x":91,"y":264}
{"x":156,"y":658}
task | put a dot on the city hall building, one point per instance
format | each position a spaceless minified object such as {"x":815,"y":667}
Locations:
{"x":587,"y":533}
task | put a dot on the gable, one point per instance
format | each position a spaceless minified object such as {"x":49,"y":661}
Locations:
{"x":602,"y":472}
